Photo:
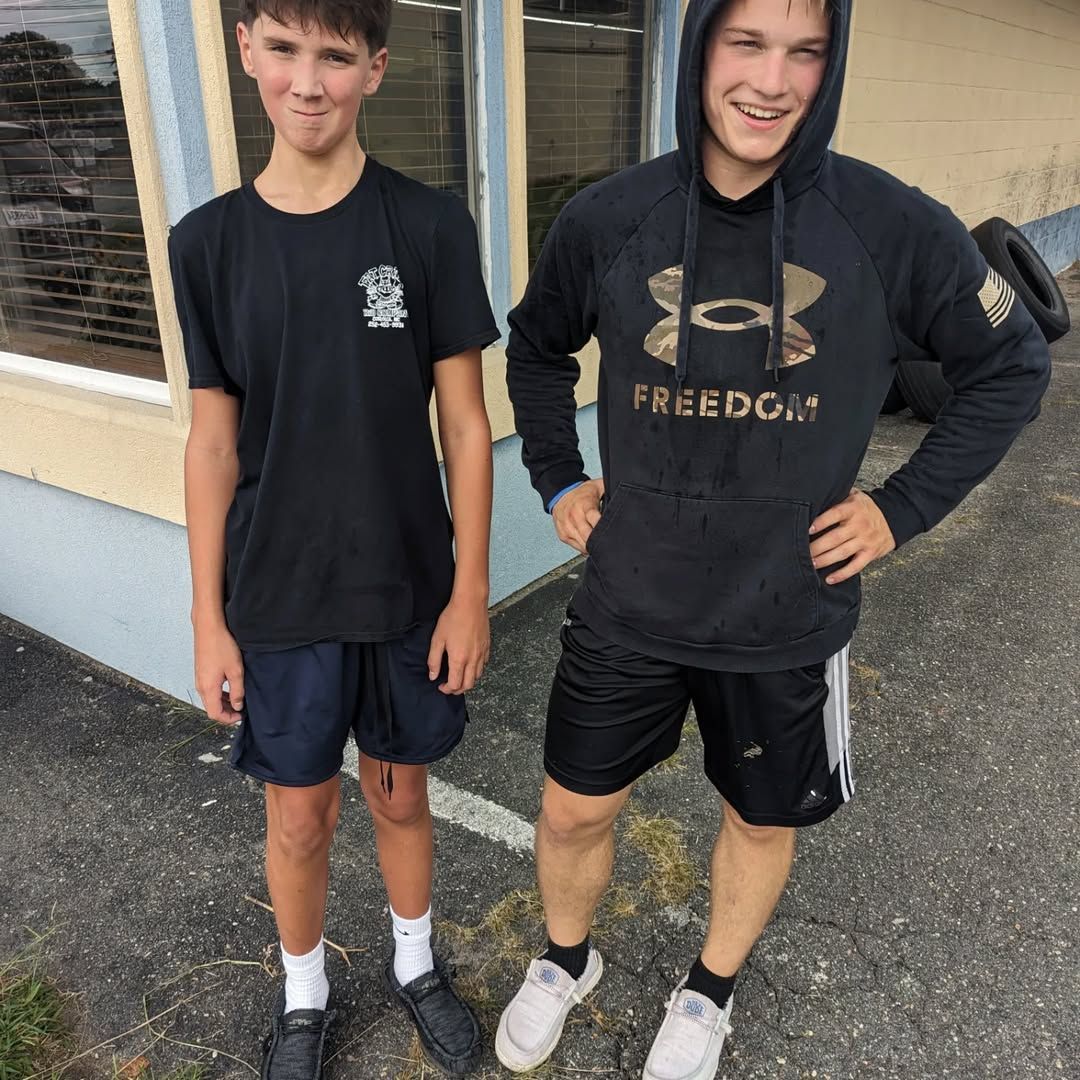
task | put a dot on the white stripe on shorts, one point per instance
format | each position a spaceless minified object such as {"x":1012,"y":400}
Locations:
{"x":837,"y":721}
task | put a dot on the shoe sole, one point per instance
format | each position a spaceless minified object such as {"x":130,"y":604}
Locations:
{"x":584,"y":992}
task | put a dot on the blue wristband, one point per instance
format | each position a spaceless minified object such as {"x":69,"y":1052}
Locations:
{"x":556,"y":498}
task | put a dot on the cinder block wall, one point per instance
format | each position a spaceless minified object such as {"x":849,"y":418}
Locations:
{"x":977,"y":102}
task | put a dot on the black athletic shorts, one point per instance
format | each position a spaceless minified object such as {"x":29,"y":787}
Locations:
{"x":776,"y":743}
{"x":300,"y":705}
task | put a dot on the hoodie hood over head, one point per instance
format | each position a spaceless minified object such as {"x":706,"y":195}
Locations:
{"x":798,"y":171}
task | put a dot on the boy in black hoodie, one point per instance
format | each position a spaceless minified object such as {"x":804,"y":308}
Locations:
{"x":725,"y":538}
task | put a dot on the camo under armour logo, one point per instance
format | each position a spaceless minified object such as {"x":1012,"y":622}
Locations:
{"x":801,"y":289}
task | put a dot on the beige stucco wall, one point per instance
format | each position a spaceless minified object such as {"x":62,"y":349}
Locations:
{"x":975,"y":101}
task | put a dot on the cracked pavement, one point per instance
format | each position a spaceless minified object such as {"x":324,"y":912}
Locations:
{"x":929,"y":929}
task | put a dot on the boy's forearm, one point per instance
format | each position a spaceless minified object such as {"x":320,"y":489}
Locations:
{"x":467,"y":455}
{"x":209,"y":485}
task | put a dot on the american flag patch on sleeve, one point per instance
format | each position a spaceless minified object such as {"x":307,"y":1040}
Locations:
{"x":997,"y":298}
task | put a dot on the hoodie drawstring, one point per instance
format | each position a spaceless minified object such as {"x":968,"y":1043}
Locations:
{"x":776,"y":333}
{"x":377,"y":696}
{"x":686,"y":299}
{"x":775,"y":360}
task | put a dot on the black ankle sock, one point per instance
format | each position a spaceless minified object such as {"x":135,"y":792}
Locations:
{"x":571,"y":958}
{"x":717,"y":988}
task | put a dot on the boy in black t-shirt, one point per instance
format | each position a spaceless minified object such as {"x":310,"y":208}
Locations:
{"x":321,"y":306}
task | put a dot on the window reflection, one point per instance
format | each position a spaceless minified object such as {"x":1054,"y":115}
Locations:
{"x":74,"y":279}
{"x":584,"y":82}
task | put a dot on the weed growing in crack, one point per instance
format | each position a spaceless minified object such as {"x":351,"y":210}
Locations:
{"x":673,"y":879}
{"x":866,"y":680}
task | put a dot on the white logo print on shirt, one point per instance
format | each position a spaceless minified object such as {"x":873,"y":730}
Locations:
{"x":385,"y":297}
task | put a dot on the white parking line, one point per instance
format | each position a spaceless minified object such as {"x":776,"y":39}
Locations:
{"x":473,"y":812}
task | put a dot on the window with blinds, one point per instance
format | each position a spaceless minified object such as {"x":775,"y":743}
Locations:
{"x":584,"y":99}
{"x":416,"y":123}
{"x":74,"y":279}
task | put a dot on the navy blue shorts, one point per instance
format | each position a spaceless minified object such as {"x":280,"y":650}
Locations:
{"x":301,"y":704}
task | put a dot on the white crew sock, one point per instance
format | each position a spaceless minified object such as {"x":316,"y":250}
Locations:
{"x":412,"y":947}
{"x":306,"y":985}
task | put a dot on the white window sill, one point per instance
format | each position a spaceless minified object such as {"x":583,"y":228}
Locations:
{"x":100,"y":382}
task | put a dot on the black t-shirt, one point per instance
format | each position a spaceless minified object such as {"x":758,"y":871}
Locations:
{"x":326,"y":326}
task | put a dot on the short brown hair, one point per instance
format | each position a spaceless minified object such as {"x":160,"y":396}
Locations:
{"x":367,"y":19}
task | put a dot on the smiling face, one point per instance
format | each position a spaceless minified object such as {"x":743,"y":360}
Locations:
{"x":312,"y":81}
{"x":764,"y":63}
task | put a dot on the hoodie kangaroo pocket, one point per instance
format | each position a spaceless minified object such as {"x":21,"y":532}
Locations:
{"x":706,"y":571}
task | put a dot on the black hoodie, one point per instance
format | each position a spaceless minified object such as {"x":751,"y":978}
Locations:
{"x":721,"y":440}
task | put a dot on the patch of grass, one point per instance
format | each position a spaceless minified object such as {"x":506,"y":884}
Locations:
{"x":867,"y":680}
{"x":673,"y":879}
{"x":1065,"y":500}
{"x":520,"y":906}
{"x":507,"y":930}
{"x":34,"y":1036}
{"x":621,"y":902}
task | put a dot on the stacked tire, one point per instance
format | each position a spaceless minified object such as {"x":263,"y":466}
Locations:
{"x":919,"y":383}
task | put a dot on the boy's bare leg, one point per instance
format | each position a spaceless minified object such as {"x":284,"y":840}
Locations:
{"x":403,"y":834}
{"x":300,"y":824}
{"x":750,"y":866}
{"x":575,"y":853}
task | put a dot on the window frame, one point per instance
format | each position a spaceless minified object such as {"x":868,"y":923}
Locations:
{"x":149,"y":186}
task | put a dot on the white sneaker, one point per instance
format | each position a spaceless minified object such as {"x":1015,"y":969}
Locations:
{"x":531,"y":1025}
{"x":688,"y":1044}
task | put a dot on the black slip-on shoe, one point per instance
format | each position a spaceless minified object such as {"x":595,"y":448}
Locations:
{"x":448,"y":1028}
{"x":293,"y":1050}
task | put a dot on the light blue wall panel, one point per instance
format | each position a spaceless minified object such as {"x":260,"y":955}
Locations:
{"x":106,"y":581}
{"x":1056,"y":238}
